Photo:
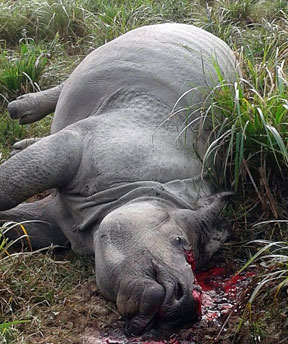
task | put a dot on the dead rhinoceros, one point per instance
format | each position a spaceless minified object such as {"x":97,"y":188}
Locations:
{"x":128,"y":185}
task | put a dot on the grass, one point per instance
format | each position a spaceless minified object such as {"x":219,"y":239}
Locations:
{"x":11,"y":132}
{"x":253,"y":129}
{"x":272,"y":261}
{"x":42,"y":41}
{"x":34,"y":285}
{"x":42,"y":299}
{"x":5,"y":243}
{"x":250,"y":136}
{"x":6,"y":327}
{"x":21,"y":73}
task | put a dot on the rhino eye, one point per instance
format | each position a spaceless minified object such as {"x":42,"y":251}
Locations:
{"x":178,"y":240}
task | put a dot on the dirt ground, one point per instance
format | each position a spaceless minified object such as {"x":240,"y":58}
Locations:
{"x":219,"y":307}
{"x":85,"y":317}
{"x":59,"y":297}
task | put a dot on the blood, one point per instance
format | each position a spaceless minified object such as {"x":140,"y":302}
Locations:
{"x":138,"y":340}
{"x":169,"y":341}
{"x":205,"y":278}
{"x":190,"y":259}
{"x":230,"y":285}
{"x":198,"y":298}
{"x":220,"y":294}
{"x":216,"y":278}
{"x":220,"y":290}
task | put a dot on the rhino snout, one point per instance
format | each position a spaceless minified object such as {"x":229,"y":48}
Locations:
{"x":138,"y":301}
{"x":183,"y":311}
{"x":182,"y":304}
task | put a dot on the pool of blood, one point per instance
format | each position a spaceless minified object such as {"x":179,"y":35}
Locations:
{"x":221,"y":289}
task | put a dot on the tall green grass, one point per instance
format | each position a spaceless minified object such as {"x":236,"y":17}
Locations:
{"x":21,"y":70}
{"x":250,"y":135}
{"x":43,"y":19}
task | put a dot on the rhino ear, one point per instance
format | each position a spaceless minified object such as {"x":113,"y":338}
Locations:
{"x":211,"y":206}
{"x":206,"y":213}
{"x":204,"y":230}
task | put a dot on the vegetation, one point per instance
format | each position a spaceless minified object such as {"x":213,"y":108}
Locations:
{"x":43,"y":297}
{"x":42,"y":41}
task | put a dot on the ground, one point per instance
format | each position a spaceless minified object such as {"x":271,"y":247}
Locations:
{"x":57,"y":294}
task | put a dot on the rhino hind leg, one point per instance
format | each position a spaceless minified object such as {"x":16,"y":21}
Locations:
{"x":32,"y":107}
{"x":39,"y":221}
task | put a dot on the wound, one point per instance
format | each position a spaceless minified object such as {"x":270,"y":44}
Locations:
{"x":197,"y":295}
{"x":190,"y":259}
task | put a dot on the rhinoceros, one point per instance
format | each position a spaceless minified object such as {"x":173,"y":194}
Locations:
{"x":124,"y":161}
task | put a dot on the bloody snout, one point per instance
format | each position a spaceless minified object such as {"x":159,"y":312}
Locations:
{"x":170,"y":304}
{"x":182,"y":308}
{"x":182,"y":303}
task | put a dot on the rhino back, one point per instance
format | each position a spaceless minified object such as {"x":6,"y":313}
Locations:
{"x":165,"y":59}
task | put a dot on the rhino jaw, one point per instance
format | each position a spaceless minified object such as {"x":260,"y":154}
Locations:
{"x":183,"y":296}
{"x":170,"y":299}
{"x":138,"y":301}
{"x":144,"y":303}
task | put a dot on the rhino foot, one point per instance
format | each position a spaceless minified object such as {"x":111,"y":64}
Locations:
{"x":39,"y":227}
{"x":32,"y":107}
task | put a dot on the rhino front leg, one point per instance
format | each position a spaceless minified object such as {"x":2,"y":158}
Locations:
{"x":32,"y":107}
{"x":49,"y":163}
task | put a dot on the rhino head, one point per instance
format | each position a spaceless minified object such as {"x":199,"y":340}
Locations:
{"x":141,"y":261}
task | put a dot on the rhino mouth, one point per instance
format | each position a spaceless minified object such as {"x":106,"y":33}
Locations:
{"x":181,"y":309}
{"x":178,"y":311}
{"x":173,"y":301}
{"x":181,"y":306}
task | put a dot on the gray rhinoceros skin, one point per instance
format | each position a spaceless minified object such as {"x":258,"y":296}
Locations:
{"x":126,"y":175}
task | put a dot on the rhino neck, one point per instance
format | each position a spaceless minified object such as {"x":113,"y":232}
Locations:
{"x":89,"y":211}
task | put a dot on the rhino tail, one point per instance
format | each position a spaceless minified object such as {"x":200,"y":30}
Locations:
{"x":51,"y":162}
